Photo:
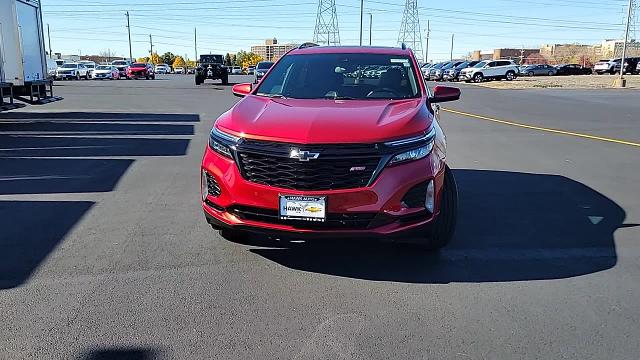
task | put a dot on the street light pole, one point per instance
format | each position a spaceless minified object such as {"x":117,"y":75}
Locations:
{"x":451,"y":57}
{"x":361,"y":19}
{"x":426,"y":50}
{"x":49,"y":38}
{"x":370,"y":27}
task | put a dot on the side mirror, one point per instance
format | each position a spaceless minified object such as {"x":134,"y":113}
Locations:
{"x":241,"y":90}
{"x":444,"y":94}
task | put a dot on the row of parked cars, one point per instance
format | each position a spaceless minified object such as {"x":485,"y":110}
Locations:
{"x":477,"y":71}
{"x":118,"y":69}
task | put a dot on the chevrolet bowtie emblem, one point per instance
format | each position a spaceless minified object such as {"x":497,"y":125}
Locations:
{"x":303,"y":155}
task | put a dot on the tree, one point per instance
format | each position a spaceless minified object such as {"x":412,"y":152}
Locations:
{"x":178,"y":62}
{"x":168,"y":58}
{"x":227,"y":60}
{"x":191,"y":64}
{"x":246,"y":59}
{"x":108,"y":54}
{"x":143,"y":59}
{"x":234,"y":60}
{"x":155,"y":59}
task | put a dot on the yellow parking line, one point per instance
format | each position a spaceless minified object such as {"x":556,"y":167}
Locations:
{"x":555,"y":131}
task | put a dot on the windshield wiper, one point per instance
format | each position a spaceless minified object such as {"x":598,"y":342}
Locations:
{"x":339,"y":98}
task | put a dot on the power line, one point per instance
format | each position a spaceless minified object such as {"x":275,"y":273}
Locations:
{"x":326,"y":30}
{"x":410,"y":33}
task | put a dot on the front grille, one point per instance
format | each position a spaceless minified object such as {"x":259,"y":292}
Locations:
{"x":347,"y":221}
{"x":337,"y":167}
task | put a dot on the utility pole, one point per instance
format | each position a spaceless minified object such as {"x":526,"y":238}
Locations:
{"x":129,"y":31}
{"x":426,"y":50}
{"x":370,"y":27}
{"x":451,"y":57}
{"x":621,"y":81}
{"x":151,"y":45}
{"x":327,"y":23}
{"x":361,"y":19}
{"x":49,"y":37}
{"x":195,"y":42}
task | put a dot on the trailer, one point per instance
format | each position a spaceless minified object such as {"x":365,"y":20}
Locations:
{"x":23,"y":66}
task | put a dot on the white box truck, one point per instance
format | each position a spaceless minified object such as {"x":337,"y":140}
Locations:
{"x":22,"y":53}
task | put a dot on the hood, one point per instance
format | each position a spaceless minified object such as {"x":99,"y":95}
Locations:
{"x":326,"y":121}
{"x":137,"y":68}
{"x":102,"y":71}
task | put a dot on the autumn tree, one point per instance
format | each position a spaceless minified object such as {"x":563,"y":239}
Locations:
{"x":168,"y":58}
{"x":178,"y":62}
{"x":155,"y":59}
{"x":246,"y":59}
{"x":191,"y":63}
{"x":227,"y":60}
{"x":143,"y":59}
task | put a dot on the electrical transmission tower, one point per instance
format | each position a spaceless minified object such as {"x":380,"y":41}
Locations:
{"x":631,"y":16}
{"x":326,"y":31}
{"x":410,"y":28}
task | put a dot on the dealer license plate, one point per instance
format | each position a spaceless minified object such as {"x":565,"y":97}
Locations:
{"x":307,"y":208}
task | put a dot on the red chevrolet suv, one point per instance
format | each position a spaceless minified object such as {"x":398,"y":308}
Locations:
{"x":334,"y":141}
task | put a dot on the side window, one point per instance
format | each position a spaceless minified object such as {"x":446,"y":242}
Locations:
{"x":492,"y":64}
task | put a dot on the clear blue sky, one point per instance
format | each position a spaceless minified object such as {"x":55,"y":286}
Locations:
{"x":228,"y":26}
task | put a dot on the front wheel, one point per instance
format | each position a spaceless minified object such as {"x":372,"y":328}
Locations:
{"x":77,"y":76}
{"x":550,"y":73}
{"x":478,"y":78}
{"x":225,"y":80}
{"x":530,"y":73}
{"x":510,"y":75}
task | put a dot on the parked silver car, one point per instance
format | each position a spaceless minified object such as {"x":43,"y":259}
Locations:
{"x":538,"y":70}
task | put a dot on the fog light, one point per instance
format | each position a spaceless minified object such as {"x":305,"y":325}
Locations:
{"x":204,"y":185}
{"x":430,"y":198}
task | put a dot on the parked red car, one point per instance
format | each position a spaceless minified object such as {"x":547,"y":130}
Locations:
{"x":320,"y":148}
{"x":140,"y":70}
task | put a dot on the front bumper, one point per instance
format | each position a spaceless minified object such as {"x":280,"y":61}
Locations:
{"x":382,"y":201}
{"x":102,"y":76}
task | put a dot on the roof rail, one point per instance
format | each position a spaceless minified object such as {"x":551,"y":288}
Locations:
{"x":307,"y":45}
{"x":403,"y":46}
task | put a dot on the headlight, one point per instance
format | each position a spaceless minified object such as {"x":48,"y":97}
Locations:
{"x":421,"y":147}
{"x":413,"y":154}
{"x":222,"y":142}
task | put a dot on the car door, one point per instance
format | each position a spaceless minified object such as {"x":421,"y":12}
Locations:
{"x":490,"y":69}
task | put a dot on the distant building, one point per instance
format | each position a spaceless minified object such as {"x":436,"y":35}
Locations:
{"x":271,"y":50}
{"x":613,"y":48}
{"x":505,"y":53}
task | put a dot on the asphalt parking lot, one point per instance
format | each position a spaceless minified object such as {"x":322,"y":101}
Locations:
{"x":104,"y":250}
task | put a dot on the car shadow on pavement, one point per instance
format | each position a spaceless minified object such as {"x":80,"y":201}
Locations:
{"x":63,"y":153}
{"x":123,"y":353}
{"x":511,"y":227}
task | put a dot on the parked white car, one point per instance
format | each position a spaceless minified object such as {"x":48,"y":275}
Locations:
{"x":236,"y":70}
{"x":72,"y":71}
{"x":52,"y":67}
{"x":179,"y":70}
{"x":90,"y":65}
{"x":106,"y":72}
{"x":490,"y":69}
{"x":162,"y":69}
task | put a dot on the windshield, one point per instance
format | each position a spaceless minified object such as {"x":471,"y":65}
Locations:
{"x":344,"y":76}
{"x":264,"y":65}
{"x":218,"y":59}
{"x":448,"y":66}
{"x":463,"y":65}
{"x":481,"y":64}
{"x":103,"y":67}
{"x":119,"y":63}
{"x":69,"y":66}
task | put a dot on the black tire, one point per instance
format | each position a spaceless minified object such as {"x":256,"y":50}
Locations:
{"x":198,"y":80}
{"x":478,"y":77}
{"x":550,"y":73}
{"x":77,"y":76}
{"x":225,"y":80}
{"x":530,"y":73}
{"x":510,"y":76}
{"x":237,"y":236}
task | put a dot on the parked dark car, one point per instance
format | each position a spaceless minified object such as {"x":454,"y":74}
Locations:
{"x":537,"y":70}
{"x":630,"y":65}
{"x":453,"y":73}
{"x":211,"y":67}
{"x":261,"y":69}
{"x":573,"y":69}
{"x":438,"y":75}
{"x":432,"y":70}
